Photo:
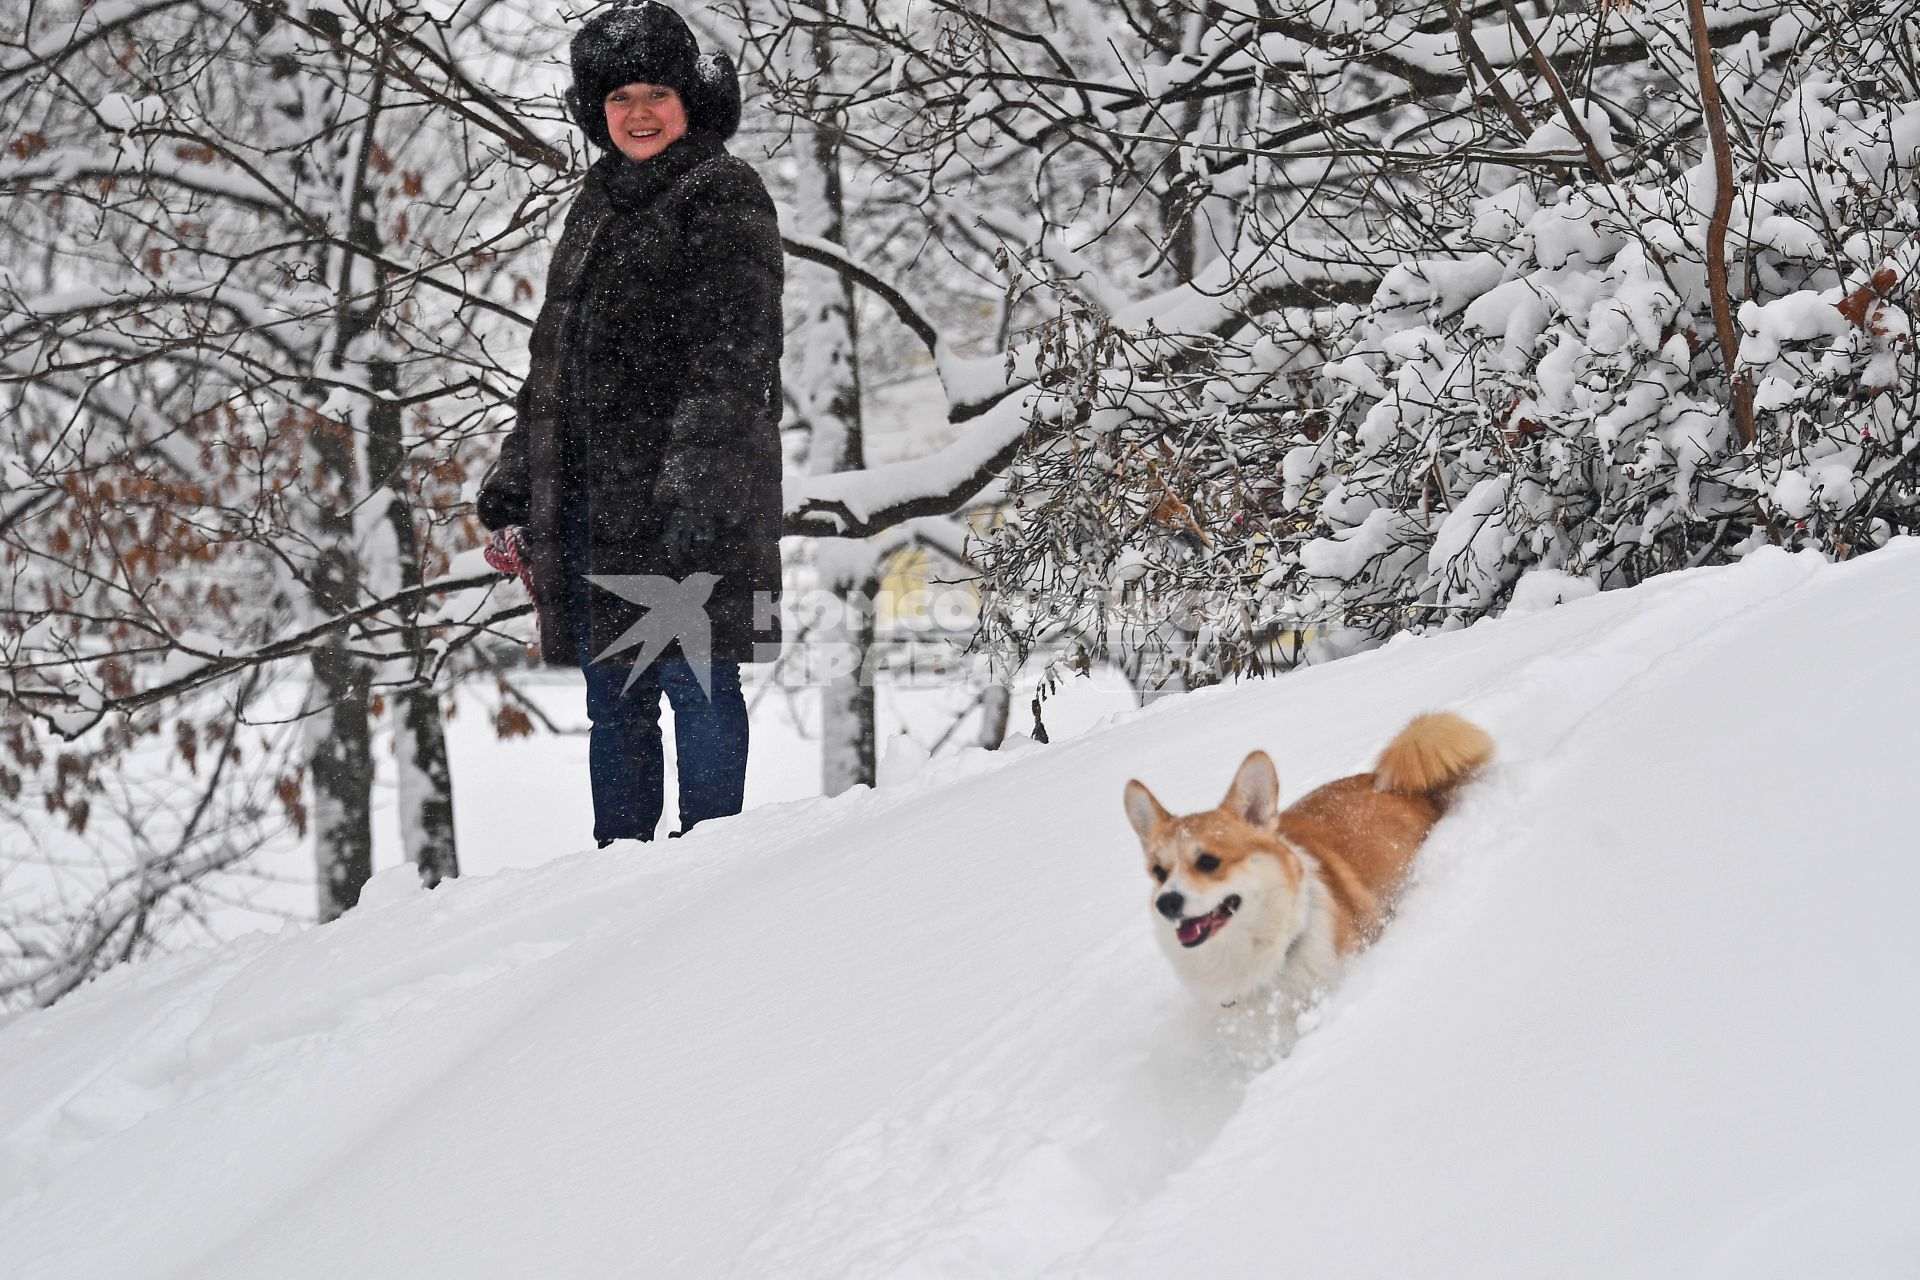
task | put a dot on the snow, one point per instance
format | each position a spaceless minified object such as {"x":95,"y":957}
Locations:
{"x":1348,"y":552}
{"x":1646,"y":1012}
{"x":944,"y":475}
{"x":120,"y":112}
{"x":1540,"y":589}
{"x":1567,"y":32}
{"x":1557,"y":136}
{"x":1797,"y":317}
{"x":25,"y":51}
{"x":1792,"y":493}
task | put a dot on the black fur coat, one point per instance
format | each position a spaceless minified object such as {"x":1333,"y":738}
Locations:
{"x":654,"y":383}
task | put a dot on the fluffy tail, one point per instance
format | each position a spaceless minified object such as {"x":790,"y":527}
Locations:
{"x":1432,"y":756}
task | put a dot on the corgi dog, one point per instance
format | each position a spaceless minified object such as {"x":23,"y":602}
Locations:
{"x":1249,"y":897}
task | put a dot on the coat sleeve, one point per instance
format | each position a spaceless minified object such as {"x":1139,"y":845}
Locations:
{"x":506,"y":495}
{"x":732,"y":359}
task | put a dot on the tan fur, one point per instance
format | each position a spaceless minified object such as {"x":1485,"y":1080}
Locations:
{"x":1317,"y":880}
{"x":1432,"y":755}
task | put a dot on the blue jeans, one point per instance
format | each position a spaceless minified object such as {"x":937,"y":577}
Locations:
{"x":624,"y":756}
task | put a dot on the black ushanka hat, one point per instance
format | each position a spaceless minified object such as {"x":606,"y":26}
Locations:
{"x":644,"y":42}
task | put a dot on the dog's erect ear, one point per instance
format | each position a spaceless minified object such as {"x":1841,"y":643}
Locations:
{"x":1254,"y":796}
{"x":1143,"y":811}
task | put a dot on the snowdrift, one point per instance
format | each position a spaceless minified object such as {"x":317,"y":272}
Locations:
{"x":1648,"y":1011}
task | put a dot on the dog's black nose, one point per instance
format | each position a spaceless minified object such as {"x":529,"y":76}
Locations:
{"x":1169,"y":904}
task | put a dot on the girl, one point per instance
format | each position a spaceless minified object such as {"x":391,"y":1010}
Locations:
{"x":647,"y":435}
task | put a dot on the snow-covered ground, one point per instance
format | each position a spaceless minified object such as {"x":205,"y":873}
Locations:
{"x":522,"y":802}
{"x":1648,"y":1012}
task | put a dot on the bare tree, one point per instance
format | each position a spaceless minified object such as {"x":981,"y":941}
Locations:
{"x":268,"y":260}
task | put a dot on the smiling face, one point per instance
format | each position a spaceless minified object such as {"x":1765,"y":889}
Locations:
{"x":1203,"y":869}
{"x":1208,"y":868}
{"x":645,"y":119}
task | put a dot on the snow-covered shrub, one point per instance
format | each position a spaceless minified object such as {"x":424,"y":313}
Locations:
{"x":1534,"y":385}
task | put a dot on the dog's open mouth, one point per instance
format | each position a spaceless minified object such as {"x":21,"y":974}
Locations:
{"x":1195,"y":930}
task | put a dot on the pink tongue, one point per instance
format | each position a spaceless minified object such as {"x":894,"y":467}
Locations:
{"x":1195,"y":929}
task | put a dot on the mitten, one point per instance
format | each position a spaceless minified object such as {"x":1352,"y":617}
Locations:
{"x":506,"y":551}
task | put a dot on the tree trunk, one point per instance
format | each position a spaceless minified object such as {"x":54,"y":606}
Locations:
{"x":420,"y":740}
{"x":340,"y":764}
{"x":339,"y":728}
{"x":426,"y":788}
{"x":1717,"y":283}
{"x":996,"y":703}
{"x":830,"y":405}
{"x":847,"y":738}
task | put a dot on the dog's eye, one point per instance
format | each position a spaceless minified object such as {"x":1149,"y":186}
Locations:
{"x":1160,"y":874}
{"x":1206,"y":862}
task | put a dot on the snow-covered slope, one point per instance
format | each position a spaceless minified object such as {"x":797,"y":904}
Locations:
{"x":1649,"y":1011}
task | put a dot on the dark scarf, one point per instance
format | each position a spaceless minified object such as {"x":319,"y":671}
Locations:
{"x":632,"y":186}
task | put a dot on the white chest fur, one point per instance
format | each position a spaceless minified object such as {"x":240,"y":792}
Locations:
{"x":1281,"y":942}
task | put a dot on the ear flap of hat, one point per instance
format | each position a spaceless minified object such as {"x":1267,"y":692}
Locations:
{"x":591,"y":118}
{"x":713,"y":99}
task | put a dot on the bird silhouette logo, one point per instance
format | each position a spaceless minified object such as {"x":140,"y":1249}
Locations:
{"x":675,"y":610}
